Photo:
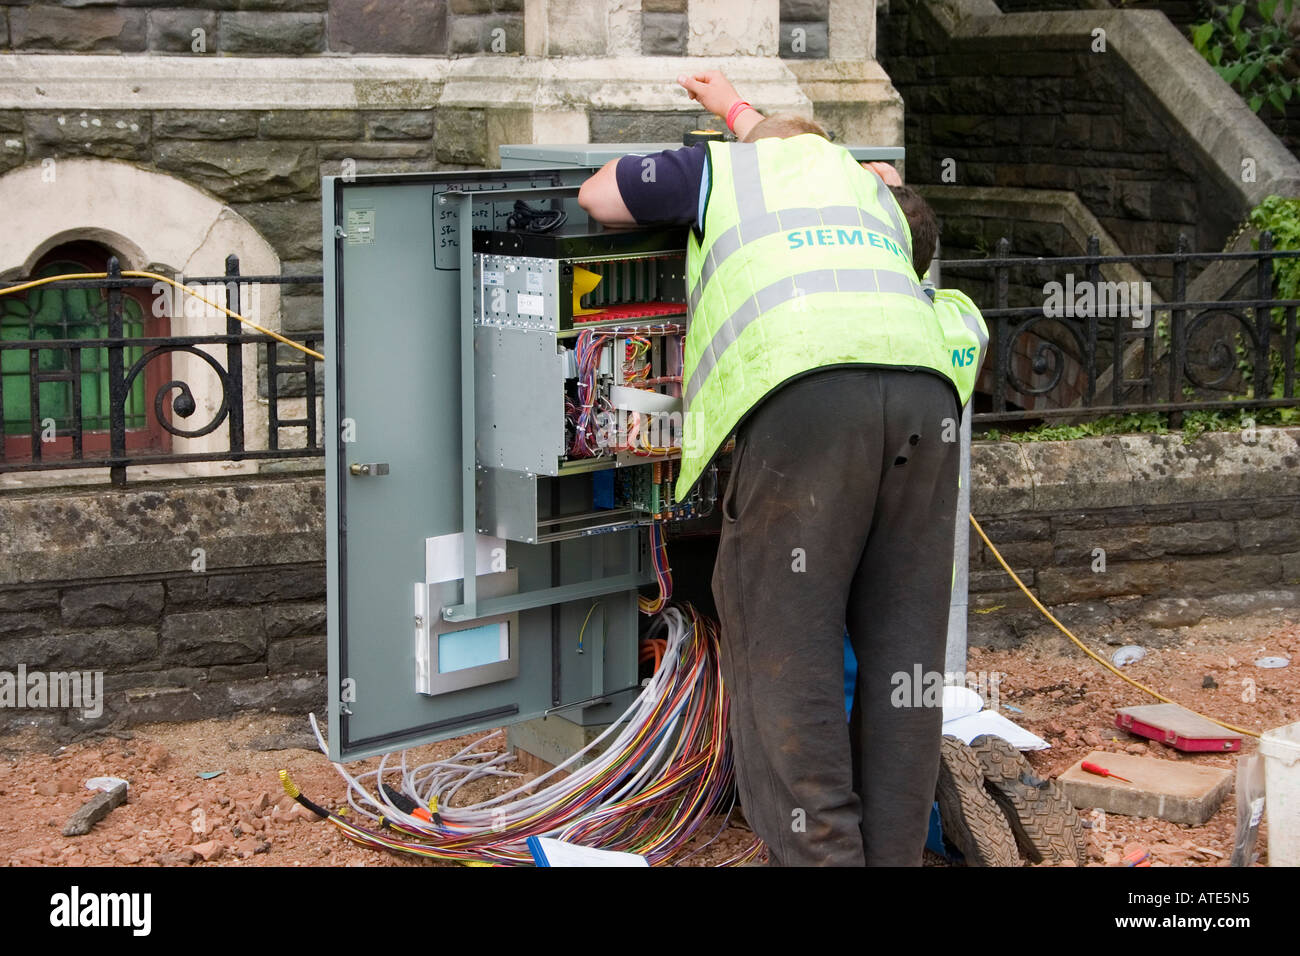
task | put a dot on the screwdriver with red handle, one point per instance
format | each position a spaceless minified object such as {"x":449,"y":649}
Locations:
{"x":1089,"y":767}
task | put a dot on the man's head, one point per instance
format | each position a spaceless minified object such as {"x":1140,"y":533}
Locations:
{"x":783,"y":126}
{"x":922,"y":222}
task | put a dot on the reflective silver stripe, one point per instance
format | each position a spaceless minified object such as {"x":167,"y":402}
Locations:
{"x":981,"y":336}
{"x":973,"y":324}
{"x":746,"y":179}
{"x":889,"y":204}
{"x":756,"y":227}
{"x":791,"y":287}
{"x":809,"y":217}
{"x":785,"y":220}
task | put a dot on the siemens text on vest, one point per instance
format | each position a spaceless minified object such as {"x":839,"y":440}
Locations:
{"x":843,"y":237}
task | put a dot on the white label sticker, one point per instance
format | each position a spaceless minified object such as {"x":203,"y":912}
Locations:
{"x":494,"y":278}
{"x":1256,"y":811}
{"x":361,"y":227}
{"x":534,"y":282}
{"x":530,"y":304}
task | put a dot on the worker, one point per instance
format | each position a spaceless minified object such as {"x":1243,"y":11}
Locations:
{"x":810,"y":338}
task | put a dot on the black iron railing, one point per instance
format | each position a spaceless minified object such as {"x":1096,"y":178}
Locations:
{"x":60,"y":359}
{"x":1235,"y":350}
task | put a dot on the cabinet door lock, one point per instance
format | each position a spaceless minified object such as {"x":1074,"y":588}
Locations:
{"x":375,"y":468}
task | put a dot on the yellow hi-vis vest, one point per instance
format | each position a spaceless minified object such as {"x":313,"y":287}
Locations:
{"x":805,"y":262}
{"x":966,"y":335}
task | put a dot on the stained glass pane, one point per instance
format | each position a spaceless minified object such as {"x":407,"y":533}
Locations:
{"x":54,"y":313}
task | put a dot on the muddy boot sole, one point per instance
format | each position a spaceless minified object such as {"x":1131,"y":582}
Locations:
{"x":1045,"y":823}
{"x":972,"y":821}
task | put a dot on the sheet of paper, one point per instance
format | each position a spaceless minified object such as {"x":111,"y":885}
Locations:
{"x":551,"y":852}
{"x":960,"y":702}
{"x":444,"y":558}
{"x":971,"y":726}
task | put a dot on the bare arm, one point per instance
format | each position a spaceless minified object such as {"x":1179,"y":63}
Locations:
{"x":715,"y":93}
{"x":600,"y":198}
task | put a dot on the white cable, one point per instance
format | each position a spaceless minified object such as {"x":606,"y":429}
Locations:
{"x":442,"y":779}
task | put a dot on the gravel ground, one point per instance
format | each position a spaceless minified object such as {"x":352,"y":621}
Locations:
{"x":242,"y":818}
{"x":1070,"y":701}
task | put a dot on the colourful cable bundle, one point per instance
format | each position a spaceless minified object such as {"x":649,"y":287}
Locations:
{"x":653,"y":779}
{"x":587,"y":357}
{"x":663,"y":574}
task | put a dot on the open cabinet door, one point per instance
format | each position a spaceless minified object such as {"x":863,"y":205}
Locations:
{"x":554,"y":625}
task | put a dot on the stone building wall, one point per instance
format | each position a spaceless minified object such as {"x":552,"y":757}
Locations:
{"x":1047,"y":119}
{"x":262,"y":27}
{"x":1024,"y":100}
{"x":265,"y":165}
{"x":253,"y":101}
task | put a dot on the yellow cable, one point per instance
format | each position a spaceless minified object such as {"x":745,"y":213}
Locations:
{"x":1083,"y":647}
{"x":594,"y":605}
{"x":160,"y":278}
{"x":290,"y":787}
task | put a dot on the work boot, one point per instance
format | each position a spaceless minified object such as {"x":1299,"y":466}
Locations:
{"x":1044,"y":821}
{"x":972,"y":822}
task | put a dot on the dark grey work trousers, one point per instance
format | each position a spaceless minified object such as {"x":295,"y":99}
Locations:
{"x":840,"y":510}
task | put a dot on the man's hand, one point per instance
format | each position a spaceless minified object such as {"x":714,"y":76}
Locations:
{"x":715,"y":93}
{"x":711,"y":90}
{"x":886,"y":172}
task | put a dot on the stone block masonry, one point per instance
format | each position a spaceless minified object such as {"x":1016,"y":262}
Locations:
{"x":265,"y":164}
{"x":1129,"y":537}
{"x":105,"y":580}
{"x":263,"y":27}
{"x":1142,"y":131}
{"x":194,"y":599}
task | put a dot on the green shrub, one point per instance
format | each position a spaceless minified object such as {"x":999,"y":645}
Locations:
{"x":1251,"y":51}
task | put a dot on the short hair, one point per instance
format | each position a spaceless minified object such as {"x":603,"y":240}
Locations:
{"x":783,"y":126}
{"x":923,"y":224}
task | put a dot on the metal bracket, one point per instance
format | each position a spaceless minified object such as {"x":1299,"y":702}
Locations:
{"x":545,"y":597}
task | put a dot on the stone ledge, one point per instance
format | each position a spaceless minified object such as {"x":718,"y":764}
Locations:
{"x":854,"y":99}
{"x":86,"y":533}
{"x":151,"y":529}
{"x":1009,"y":478}
{"x":55,"y":81}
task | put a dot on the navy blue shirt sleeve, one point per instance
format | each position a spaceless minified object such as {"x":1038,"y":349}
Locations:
{"x":663,"y":188}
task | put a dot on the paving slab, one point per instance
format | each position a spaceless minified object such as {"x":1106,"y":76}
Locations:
{"x":1181,"y":792}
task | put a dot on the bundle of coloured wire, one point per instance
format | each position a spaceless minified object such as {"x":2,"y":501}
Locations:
{"x":587,"y":413}
{"x":655,"y":779}
{"x":587,"y":355}
{"x":663,"y":574}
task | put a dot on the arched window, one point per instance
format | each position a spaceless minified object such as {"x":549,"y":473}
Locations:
{"x":71,"y":386}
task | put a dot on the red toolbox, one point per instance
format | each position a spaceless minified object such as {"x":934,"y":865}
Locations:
{"x":1177,"y":727}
